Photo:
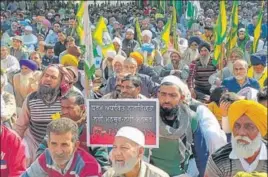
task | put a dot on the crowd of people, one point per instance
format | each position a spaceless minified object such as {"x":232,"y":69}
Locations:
{"x":212,"y":119}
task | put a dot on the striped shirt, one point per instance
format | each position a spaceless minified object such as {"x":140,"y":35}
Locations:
{"x":198,"y":77}
{"x":220,"y":165}
{"x":40,"y":115}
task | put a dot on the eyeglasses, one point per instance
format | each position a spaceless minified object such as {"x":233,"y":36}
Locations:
{"x":194,"y":44}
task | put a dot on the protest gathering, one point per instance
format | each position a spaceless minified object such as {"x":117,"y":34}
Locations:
{"x":144,"y":88}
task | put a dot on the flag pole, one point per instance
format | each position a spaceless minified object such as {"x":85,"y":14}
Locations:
{"x":88,"y":46}
{"x":221,"y":60}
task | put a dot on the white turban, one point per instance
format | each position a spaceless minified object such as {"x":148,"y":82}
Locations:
{"x":111,"y":54}
{"x":118,"y":41}
{"x":130,"y":30}
{"x":147,"y":33}
{"x":118,"y":58}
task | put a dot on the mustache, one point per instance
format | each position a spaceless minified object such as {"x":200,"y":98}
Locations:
{"x":245,"y":138}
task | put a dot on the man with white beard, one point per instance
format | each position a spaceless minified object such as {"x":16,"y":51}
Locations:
{"x":247,"y":151}
{"x":240,"y":80}
{"x":200,"y":70}
{"x":216,"y":78}
{"x":191,"y":53}
{"x":26,"y":81}
{"x":127,"y":154}
{"x":258,"y":70}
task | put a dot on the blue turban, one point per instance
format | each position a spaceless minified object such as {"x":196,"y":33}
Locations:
{"x":147,"y":47}
{"x":194,"y":39}
{"x":258,"y":59}
{"x":29,"y":64}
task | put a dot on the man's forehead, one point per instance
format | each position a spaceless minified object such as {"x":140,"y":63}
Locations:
{"x":168,"y":89}
{"x":244,"y":119}
{"x":51,"y":70}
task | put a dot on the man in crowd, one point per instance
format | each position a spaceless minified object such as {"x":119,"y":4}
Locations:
{"x":240,"y":80}
{"x":216,"y":78}
{"x":29,"y":39}
{"x":131,"y":88}
{"x":26,"y":81}
{"x":63,"y":156}
{"x":258,"y":70}
{"x":127,"y":154}
{"x":247,"y":152}
{"x":176,"y":67}
{"x":8,"y":104}
{"x":38,"y":108}
{"x":177,"y":126}
{"x":191,"y":53}
{"x":200,"y":70}
{"x":36,"y":57}
{"x":60,"y":46}
{"x":129,"y":44}
{"x":17,"y":50}
{"x":148,"y":87}
{"x":9,"y":63}
{"x":144,"y":68}
{"x":13,"y":160}
{"x":49,"y":57}
{"x":73,"y":107}
{"x":52,"y":36}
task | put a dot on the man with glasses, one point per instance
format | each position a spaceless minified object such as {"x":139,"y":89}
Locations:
{"x":131,"y":88}
{"x":240,"y":79}
{"x":215,"y":79}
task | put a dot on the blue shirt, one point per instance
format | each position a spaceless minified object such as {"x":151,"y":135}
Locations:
{"x":233,"y":86}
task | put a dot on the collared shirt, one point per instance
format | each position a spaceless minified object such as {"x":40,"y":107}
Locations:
{"x":233,"y":86}
{"x":146,"y":170}
{"x":251,"y":167}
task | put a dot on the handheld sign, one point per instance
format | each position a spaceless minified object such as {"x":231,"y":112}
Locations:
{"x":106,"y":117}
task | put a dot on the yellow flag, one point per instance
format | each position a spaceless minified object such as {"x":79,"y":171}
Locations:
{"x":257,"y":31}
{"x":98,"y":33}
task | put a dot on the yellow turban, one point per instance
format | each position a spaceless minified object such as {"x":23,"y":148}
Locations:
{"x":69,"y":60}
{"x":255,"y":111}
{"x":137,"y":56}
{"x":253,"y":174}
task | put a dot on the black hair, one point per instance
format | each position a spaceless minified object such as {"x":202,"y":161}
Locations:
{"x":134,"y":79}
{"x":262,"y":95}
{"x":230,"y":97}
{"x":79,"y":98}
{"x":216,"y":94}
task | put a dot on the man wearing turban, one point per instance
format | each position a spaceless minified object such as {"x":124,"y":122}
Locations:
{"x":26,"y":81}
{"x":247,"y":151}
{"x":258,"y":70}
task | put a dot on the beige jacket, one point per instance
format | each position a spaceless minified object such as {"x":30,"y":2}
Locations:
{"x":147,"y":170}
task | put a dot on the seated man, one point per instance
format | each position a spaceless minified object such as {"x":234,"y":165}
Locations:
{"x":63,"y":156}
{"x":176,"y":67}
{"x":127,"y":153}
{"x":258,"y":70}
{"x":73,"y":107}
{"x":240,"y":79}
{"x":247,"y":151}
{"x":200,"y":70}
{"x":13,"y":160}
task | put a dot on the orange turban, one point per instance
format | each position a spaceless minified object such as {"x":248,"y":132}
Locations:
{"x":137,"y":56}
{"x":256,"y":112}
